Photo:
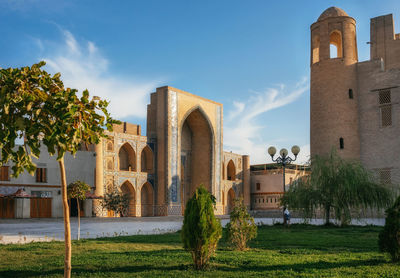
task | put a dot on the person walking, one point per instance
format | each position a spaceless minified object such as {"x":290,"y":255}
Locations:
{"x":287,"y":216}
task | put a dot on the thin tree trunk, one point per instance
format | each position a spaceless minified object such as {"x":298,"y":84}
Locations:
{"x":327,"y":214}
{"x":67,"y":226}
{"x":79,"y":219}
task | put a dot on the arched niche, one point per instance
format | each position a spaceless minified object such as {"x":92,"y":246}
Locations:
{"x":127,"y":188}
{"x":146,"y":158}
{"x":127,"y":158}
{"x":230,"y":202}
{"x":231,"y":171}
{"x":147,"y":200}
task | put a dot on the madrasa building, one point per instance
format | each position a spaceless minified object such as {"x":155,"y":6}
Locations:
{"x":183,"y":149}
{"x":160,"y":172}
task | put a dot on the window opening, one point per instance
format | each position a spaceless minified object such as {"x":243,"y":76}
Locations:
{"x":4,"y":173}
{"x":351,"y":94}
{"x":335,"y":41}
{"x":41,"y":175}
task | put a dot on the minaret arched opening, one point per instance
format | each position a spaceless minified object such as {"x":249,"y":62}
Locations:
{"x":335,"y":42}
{"x":315,"y":49}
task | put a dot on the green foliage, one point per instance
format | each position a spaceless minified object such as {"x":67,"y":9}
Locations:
{"x":241,"y":227}
{"x":116,"y":201}
{"x":389,"y":237}
{"x":301,"y":251}
{"x":339,"y":185}
{"x":35,"y":105}
{"x":201,"y":231}
{"x":78,"y":190}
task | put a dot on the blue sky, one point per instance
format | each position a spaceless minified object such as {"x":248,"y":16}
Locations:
{"x":251,"y":56}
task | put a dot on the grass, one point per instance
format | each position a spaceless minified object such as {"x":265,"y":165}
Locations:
{"x":300,"y":251}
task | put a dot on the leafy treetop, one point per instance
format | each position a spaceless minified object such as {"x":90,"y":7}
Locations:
{"x":34,"y":105}
{"x":78,"y":190}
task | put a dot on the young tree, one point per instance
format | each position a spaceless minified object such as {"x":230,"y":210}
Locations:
{"x":389,"y":237}
{"x":36,"y":107}
{"x":117,"y":202}
{"x":241,"y":227}
{"x":339,"y":185}
{"x":201,"y":231}
{"x":77,"y":190}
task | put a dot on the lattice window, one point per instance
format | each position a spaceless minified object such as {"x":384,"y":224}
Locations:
{"x":385,"y":107}
{"x":385,"y":176}
{"x":386,"y":115}
{"x":384,"y":97}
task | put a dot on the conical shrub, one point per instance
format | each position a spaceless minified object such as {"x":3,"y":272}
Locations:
{"x":389,"y":237}
{"x":201,"y":231}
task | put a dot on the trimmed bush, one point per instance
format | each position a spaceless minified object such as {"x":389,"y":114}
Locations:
{"x":116,"y":201}
{"x":201,"y":231}
{"x":389,"y":238}
{"x":241,"y":227}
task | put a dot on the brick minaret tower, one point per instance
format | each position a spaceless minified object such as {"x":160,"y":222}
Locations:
{"x":333,"y":89}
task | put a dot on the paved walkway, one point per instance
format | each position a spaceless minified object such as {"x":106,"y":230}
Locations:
{"x":28,"y":230}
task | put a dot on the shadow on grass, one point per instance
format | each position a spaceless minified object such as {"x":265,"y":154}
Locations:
{"x":278,"y":237}
{"x":161,"y":238}
{"x":301,"y":267}
{"x":81,"y":271}
{"x":163,"y":270}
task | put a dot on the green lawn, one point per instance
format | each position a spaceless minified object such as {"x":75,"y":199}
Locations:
{"x":300,"y":251}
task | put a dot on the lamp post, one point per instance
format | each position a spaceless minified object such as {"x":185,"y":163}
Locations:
{"x":283,"y":160}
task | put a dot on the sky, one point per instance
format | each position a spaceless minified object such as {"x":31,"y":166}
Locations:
{"x":251,"y":56}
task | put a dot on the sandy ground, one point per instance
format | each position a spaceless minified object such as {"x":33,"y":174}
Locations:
{"x":29,"y":230}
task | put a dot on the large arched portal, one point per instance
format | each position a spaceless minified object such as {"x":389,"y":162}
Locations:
{"x":146,"y":197}
{"x":127,"y":188}
{"x":196,"y":154}
{"x":231,"y":197}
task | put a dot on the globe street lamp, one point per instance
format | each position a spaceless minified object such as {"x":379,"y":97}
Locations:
{"x":283,"y":160}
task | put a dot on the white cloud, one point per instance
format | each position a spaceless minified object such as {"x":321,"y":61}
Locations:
{"x":304,"y":155}
{"x":241,"y":130}
{"x":82,"y":66}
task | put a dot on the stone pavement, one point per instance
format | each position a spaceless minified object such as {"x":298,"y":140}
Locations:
{"x":28,"y":230}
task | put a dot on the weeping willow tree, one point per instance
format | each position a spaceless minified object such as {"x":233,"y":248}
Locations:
{"x":337,"y":185}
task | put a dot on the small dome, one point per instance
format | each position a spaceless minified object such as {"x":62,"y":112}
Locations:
{"x":332,"y":12}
